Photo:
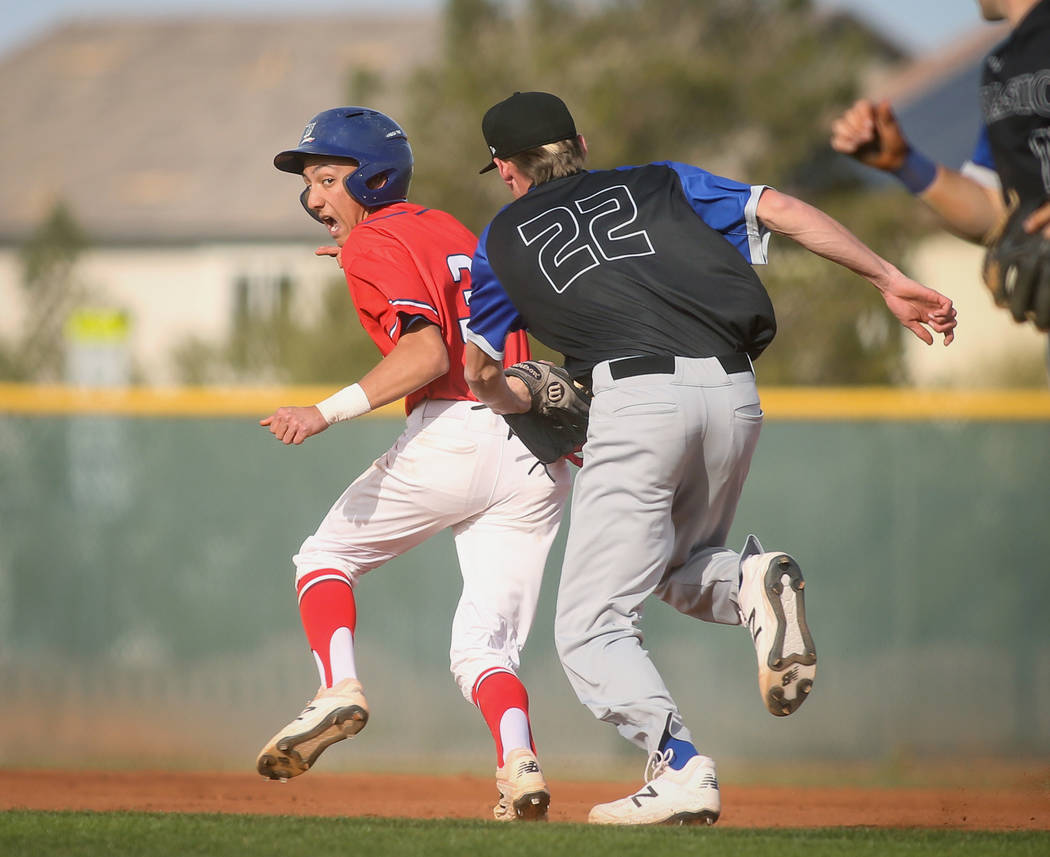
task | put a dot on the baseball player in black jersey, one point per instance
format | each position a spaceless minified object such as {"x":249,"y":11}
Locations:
{"x":1012,"y":153}
{"x":642,"y":277}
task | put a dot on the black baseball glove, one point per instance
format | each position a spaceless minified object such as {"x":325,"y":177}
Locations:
{"x":556,"y":425}
{"x":1017,"y":269}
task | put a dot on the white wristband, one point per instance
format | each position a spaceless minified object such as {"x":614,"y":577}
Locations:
{"x":348,"y":403}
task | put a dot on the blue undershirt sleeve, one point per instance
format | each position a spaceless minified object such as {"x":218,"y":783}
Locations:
{"x":492,"y":315}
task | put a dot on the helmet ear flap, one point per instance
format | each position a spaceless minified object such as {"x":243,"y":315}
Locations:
{"x":304,"y":198}
{"x":349,"y":185}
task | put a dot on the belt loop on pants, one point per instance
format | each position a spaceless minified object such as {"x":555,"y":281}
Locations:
{"x":664,"y":364}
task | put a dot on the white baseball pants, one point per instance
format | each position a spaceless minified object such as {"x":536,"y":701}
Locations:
{"x":455,"y":466}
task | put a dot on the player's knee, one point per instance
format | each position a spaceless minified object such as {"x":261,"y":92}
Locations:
{"x":468,"y":665}
{"x":566,"y":641}
{"x":307,"y":566}
{"x":571,"y":637}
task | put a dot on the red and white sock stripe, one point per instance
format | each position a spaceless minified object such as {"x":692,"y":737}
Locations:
{"x":311,"y":578}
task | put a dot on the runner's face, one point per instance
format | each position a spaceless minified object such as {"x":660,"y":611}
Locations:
{"x":329,"y":199}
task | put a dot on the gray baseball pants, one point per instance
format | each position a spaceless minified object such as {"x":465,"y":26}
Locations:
{"x":664,"y":465}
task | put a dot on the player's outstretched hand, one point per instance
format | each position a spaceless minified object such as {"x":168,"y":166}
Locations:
{"x":294,"y":425}
{"x":871,"y":134}
{"x":918,"y":307}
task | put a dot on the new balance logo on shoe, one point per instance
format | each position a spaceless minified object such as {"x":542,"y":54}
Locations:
{"x":790,"y":676}
{"x":752,"y":622}
{"x":528,"y":767}
{"x":649,"y":791}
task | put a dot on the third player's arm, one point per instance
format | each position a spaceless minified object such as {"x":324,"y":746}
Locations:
{"x":871,"y":134}
{"x":913,"y":304}
{"x":968,"y":208}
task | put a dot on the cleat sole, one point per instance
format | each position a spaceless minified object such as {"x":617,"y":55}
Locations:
{"x":704,"y":817}
{"x":532,"y":807}
{"x":295,"y":754}
{"x":778,"y":569}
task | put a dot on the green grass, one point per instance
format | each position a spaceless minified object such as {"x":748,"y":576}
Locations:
{"x":89,"y":834}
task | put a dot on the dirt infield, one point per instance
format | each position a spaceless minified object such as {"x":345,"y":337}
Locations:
{"x":405,"y":795}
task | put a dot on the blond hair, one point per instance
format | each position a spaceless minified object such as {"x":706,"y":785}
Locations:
{"x":551,"y":161}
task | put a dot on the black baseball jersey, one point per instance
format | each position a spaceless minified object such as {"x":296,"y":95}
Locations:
{"x":1015,"y":102}
{"x":649,"y":260}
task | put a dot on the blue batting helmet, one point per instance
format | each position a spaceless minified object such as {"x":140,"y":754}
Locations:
{"x":374,"y":140}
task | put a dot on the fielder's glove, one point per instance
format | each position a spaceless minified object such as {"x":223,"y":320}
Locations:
{"x":1017,"y":268}
{"x":556,"y":425}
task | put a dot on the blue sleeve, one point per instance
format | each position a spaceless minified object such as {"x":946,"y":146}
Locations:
{"x":492,"y":316}
{"x":982,"y":150}
{"x":727,"y":206}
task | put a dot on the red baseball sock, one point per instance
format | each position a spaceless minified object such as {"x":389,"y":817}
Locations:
{"x":504,"y":703}
{"x":329,"y":614}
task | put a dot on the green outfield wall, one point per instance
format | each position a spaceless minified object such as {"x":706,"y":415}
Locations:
{"x":148,"y":618}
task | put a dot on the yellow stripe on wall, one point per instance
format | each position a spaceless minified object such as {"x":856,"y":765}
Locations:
{"x":889,"y":403}
{"x":779,"y":403}
{"x":41,"y":400}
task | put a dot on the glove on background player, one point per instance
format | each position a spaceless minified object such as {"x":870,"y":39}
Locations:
{"x":1017,"y":268}
{"x":556,"y":425}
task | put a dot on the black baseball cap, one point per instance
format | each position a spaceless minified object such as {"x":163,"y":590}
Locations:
{"x":524,"y":121}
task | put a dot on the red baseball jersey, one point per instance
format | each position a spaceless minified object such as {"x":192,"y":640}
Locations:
{"x":405,"y":261}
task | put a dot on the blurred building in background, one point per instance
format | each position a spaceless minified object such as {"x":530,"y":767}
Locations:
{"x":157,"y":135}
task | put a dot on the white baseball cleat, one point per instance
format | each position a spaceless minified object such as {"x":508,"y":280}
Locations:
{"x":688,"y":796}
{"x":773,"y":608}
{"x":335,"y":713}
{"x":523,"y":793}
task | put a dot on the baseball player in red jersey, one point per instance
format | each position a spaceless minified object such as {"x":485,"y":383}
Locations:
{"x":454,"y":466}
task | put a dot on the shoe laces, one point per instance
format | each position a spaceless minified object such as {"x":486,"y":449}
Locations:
{"x":658,"y":763}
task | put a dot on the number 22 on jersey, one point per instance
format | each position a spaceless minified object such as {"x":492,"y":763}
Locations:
{"x":572,"y":241}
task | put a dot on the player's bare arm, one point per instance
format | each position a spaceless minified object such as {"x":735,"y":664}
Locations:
{"x":914,"y":305}
{"x":486,"y":380}
{"x":870,"y":133}
{"x":418,"y":358}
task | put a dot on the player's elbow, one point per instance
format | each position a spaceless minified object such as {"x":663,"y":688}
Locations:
{"x":483,"y":375}
{"x":477,"y":365}
{"x":780,"y":212}
{"x":480,"y":375}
